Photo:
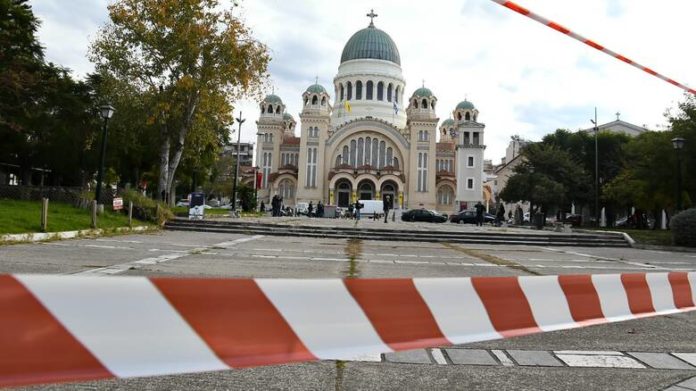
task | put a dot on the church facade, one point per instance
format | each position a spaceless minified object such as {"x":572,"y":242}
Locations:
{"x":371,"y":140}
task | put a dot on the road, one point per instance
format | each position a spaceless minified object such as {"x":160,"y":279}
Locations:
{"x":646,"y":354}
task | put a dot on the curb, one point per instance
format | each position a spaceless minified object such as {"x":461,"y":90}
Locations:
{"x":45,"y":236}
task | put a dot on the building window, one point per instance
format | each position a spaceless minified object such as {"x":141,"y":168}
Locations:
{"x":467,"y":116}
{"x":422,"y":172}
{"x":476,"y":138}
{"x":369,"y":89}
{"x":286,"y":189}
{"x":396,"y":95}
{"x":423,"y":135}
{"x":375,"y":151}
{"x":267,"y":158}
{"x":470,"y":183}
{"x":380,"y":91}
{"x":352,"y":152}
{"x":445,"y":196}
{"x":466,"y":138}
{"x":361,"y":149}
{"x":470,"y":161}
{"x":390,"y":156}
{"x":341,"y":89}
{"x":424,"y":103}
{"x":311,"y":167}
{"x":346,"y":154}
{"x":350,"y":91}
{"x":389,"y":92}
{"x":368,"y":149}
{"x":358,"y":90}
{"x":382,"y":153}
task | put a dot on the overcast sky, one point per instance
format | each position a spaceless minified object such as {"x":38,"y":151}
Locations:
{"x":523,"y":77}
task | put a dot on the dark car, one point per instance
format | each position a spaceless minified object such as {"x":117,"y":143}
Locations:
{"x":469,"y":217}
{"x":423,"y":215}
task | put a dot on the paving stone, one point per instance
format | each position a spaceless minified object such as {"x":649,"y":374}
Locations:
{"x":471,"y":357}
{"x":534,"y":358}
{"x":598,"y":360}
{"x":419,"y":356}
{"x":689,"y":384}
{"x":688,"y":357}
{"x":661,"y":360}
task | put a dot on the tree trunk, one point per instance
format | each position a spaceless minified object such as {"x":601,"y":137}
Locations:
{"x":163,"y":179}
{"x":179,"y":147}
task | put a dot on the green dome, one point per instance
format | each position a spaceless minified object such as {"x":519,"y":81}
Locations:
{"x":423,"y":92}
{"x":288,"y":117}
{"x":448,"y":122}
{"x":465,"y":105}
{"x":316,"y":88}
{"x":371,"y":42}
{"x":272,"y":99}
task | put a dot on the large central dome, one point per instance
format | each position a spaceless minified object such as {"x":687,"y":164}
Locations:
{"x":372,"y":43}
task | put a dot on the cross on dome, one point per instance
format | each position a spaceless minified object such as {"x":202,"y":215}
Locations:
{"x":618,"y":114}
{"x":372,"y":15}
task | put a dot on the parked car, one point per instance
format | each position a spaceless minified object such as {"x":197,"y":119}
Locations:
{"x":469,"y":217}
{"x":430,"y":216}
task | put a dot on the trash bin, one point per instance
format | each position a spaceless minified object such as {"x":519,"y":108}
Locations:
{"x":539,"y":220}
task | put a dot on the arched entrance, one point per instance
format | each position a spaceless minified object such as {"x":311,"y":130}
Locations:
{"x":366,"y":190}
{"x":389,"y":188}
{"x":343,"y":190}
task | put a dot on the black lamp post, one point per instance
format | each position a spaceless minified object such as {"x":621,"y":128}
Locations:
{"x":678,"y":144}
{"x":596,"y":167}
{"x":240,"y":121}
{"x":106,"y":112}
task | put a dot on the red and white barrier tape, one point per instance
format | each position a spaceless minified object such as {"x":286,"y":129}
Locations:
{"x":69,"y":328}
{"x":561,"y":29}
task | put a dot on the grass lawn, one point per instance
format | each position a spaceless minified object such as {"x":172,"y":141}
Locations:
{"x":25,"y":216}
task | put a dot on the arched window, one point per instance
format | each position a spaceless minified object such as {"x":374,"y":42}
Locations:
{"x":375,"y":152}
{"x":361,"y":148}
{"x":278,"y":109}
{"x":459,"y":116}
{"x":445,"y":195}
{"x":350,"y":90}
{"x":389,"y":92}
{"x":382,"y":153}
{"x":368,"y":92}
{"x":323,"y":101}
{"x":341,"y":89}
{"x":390,"y":156}
{"x":432,"y":104}
{"x":396,"y":95}
{"x":396,"y":163}
{"x":424,"y":103}
{"x":338,"y":160}
{"x":263,"y":109}
{"x":270,"y":109}
{"x":346,"y":154}
{"x":467,"y":116}
{"x":368,"y":148}
{"x":380,"y":91}
{"x":315,"y":100}
{"x":358,"y":90}
{"x":352,"y":152}
{"x":415,"y":103}
{"x":306,"y":100}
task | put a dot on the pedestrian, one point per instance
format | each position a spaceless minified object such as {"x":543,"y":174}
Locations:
{"x":310,"y":209}
{"x":500,"y":215}
{"x":386,"y":207}
{"x":358,"y":206}
{"x":479,"y":213}
{"x":274,"y":206}
{"x":320,"y":209}
{"x":350,"y":211}
{"x":263,"y":207}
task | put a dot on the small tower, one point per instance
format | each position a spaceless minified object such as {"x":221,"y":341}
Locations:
{"x":447,"y":130}
{"x":422,"y":126}
{"x":289,"y":124}
{"x":316,"y":100}
{"x":469,"y":149}
{"x":316,"y":122}
{"x":269,"y":135}
{"x":421,"y":105}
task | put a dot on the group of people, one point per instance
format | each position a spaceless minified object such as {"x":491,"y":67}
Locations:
{"x":276,"y":206}
{"x":499,"y":214}
{"x":319,"y":211}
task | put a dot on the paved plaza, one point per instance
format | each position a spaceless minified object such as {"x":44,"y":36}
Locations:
{"x":646,"y":354}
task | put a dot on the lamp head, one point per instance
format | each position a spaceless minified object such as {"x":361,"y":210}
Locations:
{"x":678,"y":143}
{"x":106,"y":111}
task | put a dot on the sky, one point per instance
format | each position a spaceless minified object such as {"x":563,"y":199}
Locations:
{"x":524,"y":78}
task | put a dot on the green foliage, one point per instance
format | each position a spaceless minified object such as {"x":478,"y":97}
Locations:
{"x":145,"y":208}
{"x":683,"y":227}
{"x":246,"y":197}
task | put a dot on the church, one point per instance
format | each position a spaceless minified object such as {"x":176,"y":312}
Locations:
{"x":372,"y":139}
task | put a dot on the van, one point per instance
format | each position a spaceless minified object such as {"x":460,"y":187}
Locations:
{"x":371,"y":207}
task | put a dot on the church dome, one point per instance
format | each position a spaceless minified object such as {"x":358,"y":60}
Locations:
{"x":288,"y":117}
{"x":372,"y":43}
{"x":270,"y":98}
{"x":423,"y":92}
{"x":316,"y":89}
{"x":465,"y":105}
{"x":448,"y":122}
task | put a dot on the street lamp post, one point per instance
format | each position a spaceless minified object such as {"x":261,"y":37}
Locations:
{"x":256,"y":187}
{"x":240,"y":121}
{"x":596,"y":167}
{"x":678,"y":144}
{"x":106,"y":112}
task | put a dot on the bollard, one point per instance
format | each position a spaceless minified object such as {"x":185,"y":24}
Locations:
{"x":130,"y":214}
{"x":44,"y":214}
{"x":94,"y":214}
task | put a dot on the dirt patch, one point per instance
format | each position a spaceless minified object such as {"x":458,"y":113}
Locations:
{"x":490,"y":258}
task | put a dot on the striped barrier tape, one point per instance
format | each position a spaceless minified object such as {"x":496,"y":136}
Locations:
{"x":70,"y":328}
{"x":563,"y":30}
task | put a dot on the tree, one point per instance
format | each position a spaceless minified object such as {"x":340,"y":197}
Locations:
{"x":192,"y":57}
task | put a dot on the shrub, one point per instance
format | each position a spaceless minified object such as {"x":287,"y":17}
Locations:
{"x":145,"y":208}
{"x":683,"y":227}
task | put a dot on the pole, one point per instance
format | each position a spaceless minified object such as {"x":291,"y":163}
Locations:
{"x":256,"y":187}
{"x":44,"y":214}
{"x":596,"y":169}
{"x":679,"y":181}
{"x":100,"y":173}
{"x":240,"y":121}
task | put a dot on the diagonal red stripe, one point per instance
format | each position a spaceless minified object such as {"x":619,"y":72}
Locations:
{"x":36,"y":348}
{"x":594,"y":44}
{"x":506,"y":304}
{"x":398,"y":313}
{"x":650,"y":71}
{"x":558,"y":27}
{"x":638,"y":293}
{"x":582,"y":298}
{"x":516,"y":8}
{"x":624,"y":59}
{"x":681,"y":289}
{"x":236,"y":320}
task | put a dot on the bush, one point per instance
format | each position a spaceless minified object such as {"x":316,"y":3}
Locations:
{"x":145,"y":208}
{"x":683,"y":227}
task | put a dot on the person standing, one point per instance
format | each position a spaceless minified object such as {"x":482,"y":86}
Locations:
{"x":358,"y":206}
{"x":320,"y":209}
{"x":310,"y":209}
{"x":500,"y":215}
{"x":386,"y":206}
{"x":263,"y":207}
{"x":479,"y":213}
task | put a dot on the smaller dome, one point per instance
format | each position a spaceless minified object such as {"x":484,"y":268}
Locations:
{"x":288,"y":117}
{"x":316,"y":88}
{"x":465,"y":105}
{"x":448,"y":122}
{"x":423,"y":92}
{"x":270,"y":98}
